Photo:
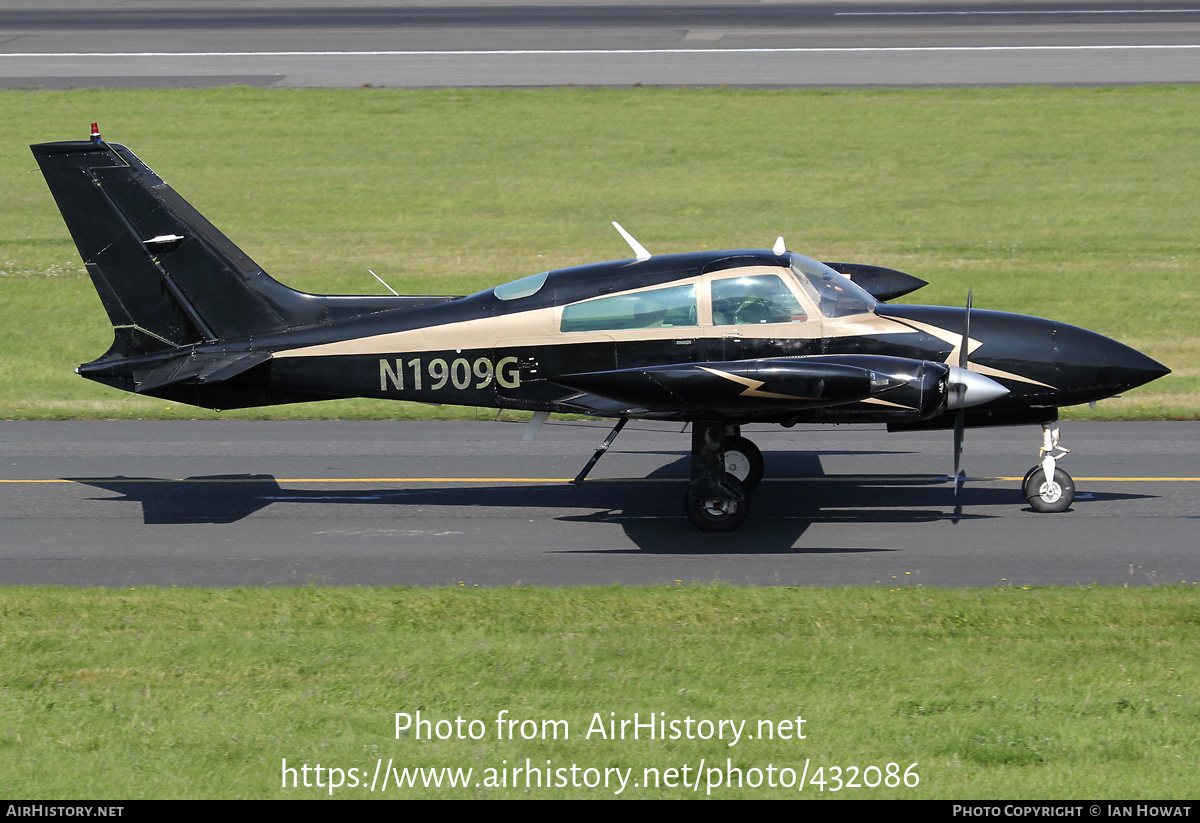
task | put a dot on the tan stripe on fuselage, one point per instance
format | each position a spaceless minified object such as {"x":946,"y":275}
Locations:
{"x":955,"y":340}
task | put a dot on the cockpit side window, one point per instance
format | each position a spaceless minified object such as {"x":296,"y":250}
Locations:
{"x":656,"y":308}
{"x":754,"y":299}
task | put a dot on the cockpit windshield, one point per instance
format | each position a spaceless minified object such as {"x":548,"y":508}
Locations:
{"x":834,"y":293}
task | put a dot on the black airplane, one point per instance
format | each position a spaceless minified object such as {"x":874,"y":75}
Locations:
{"x":718,"y":339}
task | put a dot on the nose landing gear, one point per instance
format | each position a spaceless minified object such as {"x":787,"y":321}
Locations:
{"x":1047,"y":487}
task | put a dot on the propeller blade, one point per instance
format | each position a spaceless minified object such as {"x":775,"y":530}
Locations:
{"x":959,"y":476}
{"x":962,"y":352}
{"x":960,"y":417}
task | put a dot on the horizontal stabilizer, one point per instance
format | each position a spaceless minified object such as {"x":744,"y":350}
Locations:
{"x":198,"y":368}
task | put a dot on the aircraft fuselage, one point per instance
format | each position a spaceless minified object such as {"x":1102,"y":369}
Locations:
{"x":718,"y":338}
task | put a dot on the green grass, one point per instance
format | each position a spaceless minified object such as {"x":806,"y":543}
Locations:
{"x":1073,"y":203}
{"x":1008,"y":693}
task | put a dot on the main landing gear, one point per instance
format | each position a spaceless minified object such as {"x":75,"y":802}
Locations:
{"x":743,"y":460}
{"x":1056,"y":493}
{"x":726,"y":467}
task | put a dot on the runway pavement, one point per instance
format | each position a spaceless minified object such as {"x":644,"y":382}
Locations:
{"x":66,"y":43}
{"x":134,"y":503}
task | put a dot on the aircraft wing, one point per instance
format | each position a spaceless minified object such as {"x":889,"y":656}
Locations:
{"x":746,"y":386}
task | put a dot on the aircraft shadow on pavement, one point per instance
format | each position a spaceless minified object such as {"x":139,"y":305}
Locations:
{"x":649,"y":509}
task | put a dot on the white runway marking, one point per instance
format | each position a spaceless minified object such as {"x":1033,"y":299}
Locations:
{"x":798,"y":50}
{"x":1011,"y":12}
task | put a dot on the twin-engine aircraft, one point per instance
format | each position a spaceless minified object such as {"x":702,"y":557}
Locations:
{"x":717,"y":339}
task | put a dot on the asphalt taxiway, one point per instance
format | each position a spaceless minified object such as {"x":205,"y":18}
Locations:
{"x":129,"y":503}
{"x":400,"y":43}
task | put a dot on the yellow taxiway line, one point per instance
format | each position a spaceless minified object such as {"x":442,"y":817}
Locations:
{"x":822,"y":479}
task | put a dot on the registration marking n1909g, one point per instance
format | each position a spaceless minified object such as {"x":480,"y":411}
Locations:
{"x":437,"y":373}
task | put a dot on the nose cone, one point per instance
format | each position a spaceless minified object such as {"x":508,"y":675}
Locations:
{"x":1095,"y":366}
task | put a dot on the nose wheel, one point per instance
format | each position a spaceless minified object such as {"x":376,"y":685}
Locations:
{"x":1055,"y":496}
{"x":1048,"y":488}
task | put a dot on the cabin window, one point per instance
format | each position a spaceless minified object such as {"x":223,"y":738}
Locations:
{"x":754,"y":299}
{"x":657,"y":308}
{"x":524,"y":287}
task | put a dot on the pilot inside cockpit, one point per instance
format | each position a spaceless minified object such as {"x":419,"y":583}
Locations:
{"x":754,"y":299}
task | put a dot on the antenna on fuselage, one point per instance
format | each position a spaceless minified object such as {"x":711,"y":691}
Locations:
{"x":780,"y":247}
{"x":639,"y":251}
{"x":385,"y":285}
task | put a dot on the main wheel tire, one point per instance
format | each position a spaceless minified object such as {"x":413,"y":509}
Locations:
{"x":743,"y":461}
{"x":1046,"y":497}
{"x":712,"y":515}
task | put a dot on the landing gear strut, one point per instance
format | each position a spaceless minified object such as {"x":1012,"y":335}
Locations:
{"x":1047,"y":487}
{"x":725,"y":468}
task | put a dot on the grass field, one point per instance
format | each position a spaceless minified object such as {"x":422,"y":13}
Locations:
{"x":1073,"y":203}
{"x":1003,"y":693}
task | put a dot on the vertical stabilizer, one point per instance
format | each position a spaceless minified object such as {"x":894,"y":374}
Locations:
{"x":162,"y":270}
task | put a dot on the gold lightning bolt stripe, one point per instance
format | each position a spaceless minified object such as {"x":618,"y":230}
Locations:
{"x":752,"y":386}
{"x":879,"y":402}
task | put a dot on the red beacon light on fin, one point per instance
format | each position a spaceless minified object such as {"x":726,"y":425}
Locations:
{"x":95,"y":132}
